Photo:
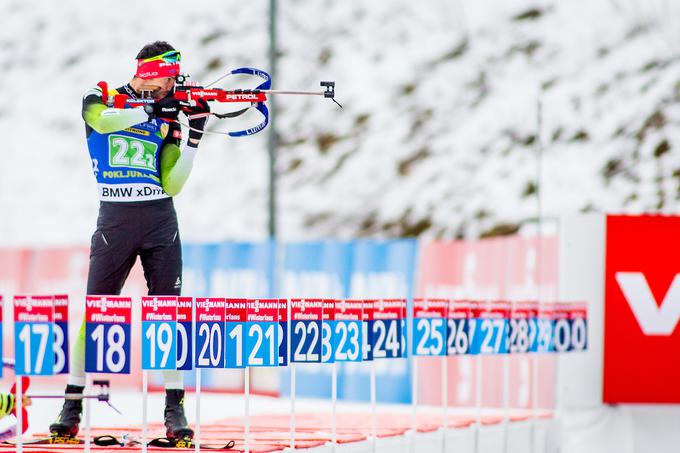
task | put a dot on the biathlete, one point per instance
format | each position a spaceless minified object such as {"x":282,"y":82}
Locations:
{"x":139,"y":167}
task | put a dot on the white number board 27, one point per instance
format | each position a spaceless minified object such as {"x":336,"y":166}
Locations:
{"x":107,"y":334}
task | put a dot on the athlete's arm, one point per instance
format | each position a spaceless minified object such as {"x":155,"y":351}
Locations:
{"x":176,"y":165}
{"x":6,"y":404}
{"x":103,"y":119}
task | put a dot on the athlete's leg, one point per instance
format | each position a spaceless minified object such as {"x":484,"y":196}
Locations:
{"x":112,"y":255}
{"x":161,"y":256}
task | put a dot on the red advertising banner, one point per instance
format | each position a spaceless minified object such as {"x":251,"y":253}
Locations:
{"x":512,"y":268}
{"x":33,"y":308}
{"x":642,"y":309}
{"x":159,"y":308}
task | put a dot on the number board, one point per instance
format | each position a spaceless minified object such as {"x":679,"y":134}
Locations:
{"x":107,"y":334}
{"x":348,"y":331}
{"x":1,"y":330}
{"x":159,"y":332}
{"x":386,"y":328}
{"x":429,"y":334}
{"x":404,"y":329}
{"x":305,"y":337}
{"x":570,"y":327}
{"x":283,"y":332}
{"x":185,"y":356}
{"x":235,"y":325}
{"x":210,"y":332}
{"x":489,"y":327}
{"x":523,"y":327}
{"x":546,"y":323}
{"x":366,"y":331}
{"x":33,"y":335}
{"x":327,"y":331}
{"x":263,"y":327}
{"x":61,"y":343}
{"x":457,"y":328}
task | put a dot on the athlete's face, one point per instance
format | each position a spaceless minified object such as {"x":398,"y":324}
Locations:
{"x":159,"y":87}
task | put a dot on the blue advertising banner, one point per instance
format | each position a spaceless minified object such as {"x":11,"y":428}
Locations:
{"x":381,"y":270}
{"x":319,"y":269}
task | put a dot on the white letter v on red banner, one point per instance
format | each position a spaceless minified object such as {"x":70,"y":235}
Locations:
{"x":653,"y":319}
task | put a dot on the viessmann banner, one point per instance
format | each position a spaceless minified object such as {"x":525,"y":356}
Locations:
{"x":642,"y":308}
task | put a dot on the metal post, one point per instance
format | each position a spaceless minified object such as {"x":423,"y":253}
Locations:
{"x":271,"y":141}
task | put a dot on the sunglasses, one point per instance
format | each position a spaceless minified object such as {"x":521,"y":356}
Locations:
{"x":171,"y":56}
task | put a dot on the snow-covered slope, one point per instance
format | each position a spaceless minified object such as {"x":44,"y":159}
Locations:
{"x":439,"y":130}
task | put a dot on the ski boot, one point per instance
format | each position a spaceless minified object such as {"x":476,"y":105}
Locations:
{"x":68,"y":420}
{"x":175,"y":422}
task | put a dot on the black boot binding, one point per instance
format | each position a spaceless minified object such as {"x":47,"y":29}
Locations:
{"x":69,"y":418}
{"x":175,"y":421}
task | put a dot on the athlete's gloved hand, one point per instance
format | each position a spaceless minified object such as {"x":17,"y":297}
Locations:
{"x":202,"y":107}
{"x":167,"y":108}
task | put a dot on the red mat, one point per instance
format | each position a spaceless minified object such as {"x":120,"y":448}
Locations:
{"x":270,"y":433}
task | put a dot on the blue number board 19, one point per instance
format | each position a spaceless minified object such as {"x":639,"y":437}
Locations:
{"x":305,"y":337}
{"x":262,"y":345}
{"x":429,"y":327}
{"x":488,"y":327}
{"x":386,"y":328}
{"x":159,"y":332}
{"x":33,"y":335}
{"x":209,"y":351}
{"x":348,"y":331}
{"x":185,"y":350}
{"x":107,"y":334}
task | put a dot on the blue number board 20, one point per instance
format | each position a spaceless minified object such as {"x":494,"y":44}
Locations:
{"x":209,"y":351}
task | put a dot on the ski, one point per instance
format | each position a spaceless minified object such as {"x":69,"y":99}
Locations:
{"x":49,"y":440}
{"x":186,"y":443}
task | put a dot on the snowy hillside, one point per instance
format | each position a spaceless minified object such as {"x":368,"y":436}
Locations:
{"x":439,"y":130}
